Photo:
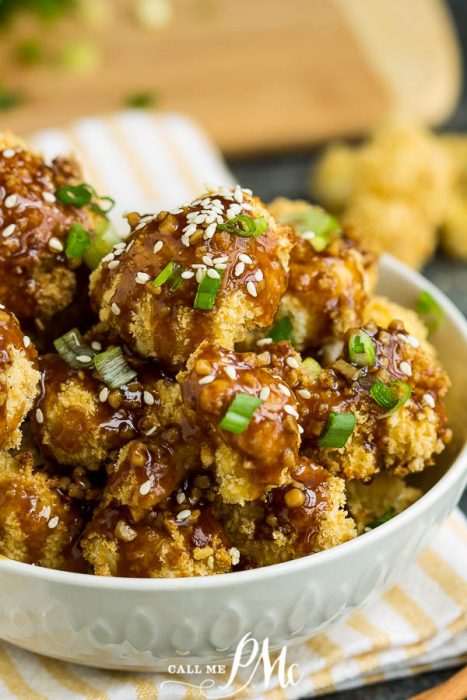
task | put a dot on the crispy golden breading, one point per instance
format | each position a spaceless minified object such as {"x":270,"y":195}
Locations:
{"x":19,"y":378}
{"x":38,"y":523}
{"x":290,"y":521}
{"x":327,"y":290}
{"x":383,"y":312}
{"x":160,"y":321}
{"x":333,"y":177}
{"x":453,"y":231}
{"x":385,"y":496}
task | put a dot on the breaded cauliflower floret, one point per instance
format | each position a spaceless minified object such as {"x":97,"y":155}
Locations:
{"x":254,"y":457}
{"x":383,"y":312}
{"x":37,"y":279}
{"x":383,"y":498}
{"x":19,"y":378}
{"x":38,"y":523}
{"x":225,"y":240}
{"x":290,"y":521}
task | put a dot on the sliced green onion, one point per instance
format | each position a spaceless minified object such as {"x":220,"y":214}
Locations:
{"x":102,"y":242}
{"x":141,"y":100}
{"x":165,"y":274}
{"x":362,"y":349}
{"x":429,"y":311}
{"x":207,"y":292}
{"x":381,"y":519}
{"x":98,"y":208}
{"x":77,"y":242}
{"x":281,"y":330}
{"x":244,"y":226}
{"x":312,"y":219}
{"x":338,"y":429}
{"x":176,"y":278}
{"x":240,"y":412}
{"x":318,"y":241}
{"x":390,"y":396}
{"x":77,"y":195}
{"x":113,"y":369}
{"x":72,"y":348}
{"x":312,"y":366}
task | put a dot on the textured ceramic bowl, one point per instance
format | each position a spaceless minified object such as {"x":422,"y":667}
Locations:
{"x":146,"y":624}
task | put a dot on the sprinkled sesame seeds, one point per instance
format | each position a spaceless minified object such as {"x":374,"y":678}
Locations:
{"x":264,"y":393}
{"x":48,"y":197}
{"x":406,"y":368}
{"x":96,"y":345}
{"x":26,"y":341}
{"x":239,"y":269}
{"x":251,"y":289}
{"x":115,"y":309}
{"x":187,"y":274}
{"x":231,"y":372}
{"x":221,"y":259}
{"x":151,"y":431}
{"x":10,"y":201}
{"x":235,"y":555}
{"x":184,"y":514}
{"x":53,"y":522}
{"x":211,"y":229}
{"x":284,"y":389}
{"x":429,"y":400}
{"x":207,"y":380}
{"x":245,"y":258}
{"x":142,"y":278}
{"x":208,"y":260}
{"x":145,"y":488}
{"x":55,"y":245}
{"x":113,"y":264}
{"x":8,"y":153}
{"x":148,"y":398}
{"x":213,"y":274}
{"x":39,"y":415}
{"x":84,"y":359}
{"x":108,"y":257}
{"x":259,"y":275}
{"x":292,"y":362}
{"x":8,"y":230}
{"x":304,"y":393}
{"x":180,"y":498}
{"x":158,"y":246}
{"x":104,"y":395}
{"x":200,"y":275}
{"x":290,"y":410}
{"x":189,"y":230}
{"x":264,"y":341}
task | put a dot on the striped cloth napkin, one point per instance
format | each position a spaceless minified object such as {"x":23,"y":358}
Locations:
{"x":152,"y":161}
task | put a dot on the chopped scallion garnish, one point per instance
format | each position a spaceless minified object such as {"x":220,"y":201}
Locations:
{"x":84,"y":194}
{"x":208,"y":290}
{"x":281,"y":330}
{"x":72,"y":348}
{"x":339,"y":428}
{"x":390,"y":396}
{"x":244,"y":226}
{"x":313,"y":220}
{"x":113,"y":368}
{"x":77,"y":242}
{"x":381,"y":519}
{"x":429,"y":311}
{"x":240,"y":412}
{"x":102,"y":241}
{"x":362,"y":349}
{"x":312,"y":366}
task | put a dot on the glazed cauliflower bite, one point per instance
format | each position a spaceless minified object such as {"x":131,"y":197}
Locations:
{"x":78,"y":421}
{"x":291,"y":521}
{"x":249,"y":463}
{"x":36,"y":278}
{"x":327,"y":289}
{"x":404,"y":440}
{"x":19,"y":378}
{"x":38,"y":523}
{"x":159,"y":320}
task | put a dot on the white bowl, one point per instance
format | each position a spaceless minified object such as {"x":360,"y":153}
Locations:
{"x":146,"y":624}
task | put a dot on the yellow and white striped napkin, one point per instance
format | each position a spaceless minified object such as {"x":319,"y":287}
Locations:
{"x":148,"y":162}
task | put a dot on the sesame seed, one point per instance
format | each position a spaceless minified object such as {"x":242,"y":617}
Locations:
{"x":148,"y":398}
{"x":55,"y":244}
{"x":246,"y":190}
{"x":235,"y":555}
{"x":259,"y":275}
{"x":308,"y":235}
{"x":145,"y":488}
{"x":53,"y":522}
{"x":213,"y":274}
{"x":251,"y":289}
{"x":180,"y":498}
{"x":284,"y":389}
{"x":211,"y":229}
{"x":115,"y":309}
{"x":238,"y":195}
{"x":119,"y":251}
{"x":157,"y":246}
{"x":8,"y":153}
{"x":183,"y":515}
{"x":292,"y":362}
{"x":96,"y":345}
{"x":187,"y":274}
{"x":200,"y":275}
{"x":189,"y":230}
{"x":245,"y":258}
{"x":108,"y":257}
{"x":207,"y":380}
{"x":304,"y":393}
{"x":200,"y":219}
{"x":84,"y":358}
{"x":8,"y":230}
{"x":208,"y":260}
{"x":220,"y":260}
{"x":39,"y":415}
{"x":264,"y":341}
{"x":113,"y":264}
{"x":151,"y":431}
{"x":290,"y":410}
{"x":10,"y":201}
{"x":186,"y":241}
{"x":104,"y":395}
{"x":429,"y":400}
{"x":230,"y":372}
{"x":239,"y":269}
{"x":26,"y":341}
{"x":264,"y":393}
{"x":120,"y":245}
{"x":406,"y":368}
{"x":48,"y":197}
{"x":414,"y":342}
{"x":300,"y":429}
{"x":142,"y":278}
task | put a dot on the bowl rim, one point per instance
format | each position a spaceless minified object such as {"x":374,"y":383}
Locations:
{"x":350,"y":548}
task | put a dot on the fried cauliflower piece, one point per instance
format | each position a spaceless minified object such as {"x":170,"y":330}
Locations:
{"x":402,"y":440}
{"x":78,"y":421}
{"x":19,"y":378}
{"x":259,"y":455}
{"x":329,"y":288}
{"x":333,"y":178}
{"x":384,"y":497}
{"x":177,"y":537}
{"x":383,"y":312}
{"x":37,"y":279}
{"x":250,"y":267}
{"x":38,"y":523}
{"x":290,"y":521}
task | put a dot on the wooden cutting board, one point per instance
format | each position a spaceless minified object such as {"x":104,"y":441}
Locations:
{"x":259,"y":75}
